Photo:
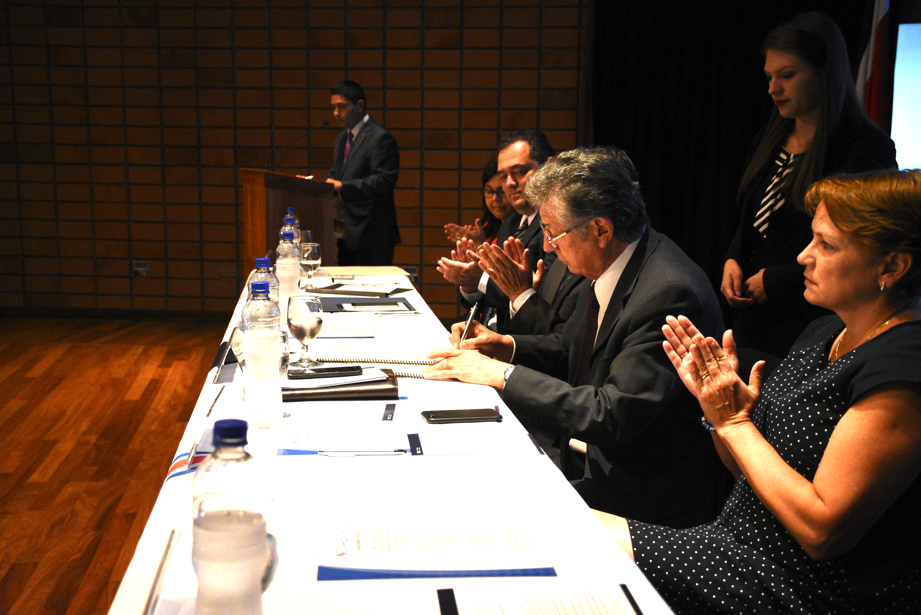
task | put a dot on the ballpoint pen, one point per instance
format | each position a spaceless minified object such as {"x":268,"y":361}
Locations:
{"x":216,"y":397}
{"x":188,"y":463}
{"x":470,"y":316}
{"x":154,"y":594}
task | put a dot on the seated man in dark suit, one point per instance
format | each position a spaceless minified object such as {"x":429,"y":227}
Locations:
{"x":605,"y":378}
{"x":521,"y":153}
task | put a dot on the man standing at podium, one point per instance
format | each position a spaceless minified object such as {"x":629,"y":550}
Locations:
{"x":366,"y":163}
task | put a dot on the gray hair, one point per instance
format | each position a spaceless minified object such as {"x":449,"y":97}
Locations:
{"x":583,"y":184}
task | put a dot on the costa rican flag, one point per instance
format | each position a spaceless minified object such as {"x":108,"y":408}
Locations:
{"x":874,"y":79}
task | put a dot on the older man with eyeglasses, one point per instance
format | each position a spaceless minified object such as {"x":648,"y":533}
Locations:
{"x":605,"y":379}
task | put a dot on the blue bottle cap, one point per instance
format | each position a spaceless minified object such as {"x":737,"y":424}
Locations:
{"x":259,"y":287}
{"x":288,"y":220}
{"x":230,"y":431}
{"x":288,"y":235}
{"x":263,"y":262}
{"x":292,"y":210}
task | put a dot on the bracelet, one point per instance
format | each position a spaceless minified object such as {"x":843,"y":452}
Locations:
{"x":706,"y":425}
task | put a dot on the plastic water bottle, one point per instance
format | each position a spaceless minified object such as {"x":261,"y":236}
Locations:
{"x":233,"y":555}
{"x":288,"y":247}
{"x":260,"y":312}
{"x":292,"y":213}
{"x":261,"y":324}
{"x":263,"y":273}
{"x":287,"y":267}
{"x":289,"y":226}
{"x":263,"y":353}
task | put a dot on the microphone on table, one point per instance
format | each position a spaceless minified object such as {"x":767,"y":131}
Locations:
{"x":271,"y":163}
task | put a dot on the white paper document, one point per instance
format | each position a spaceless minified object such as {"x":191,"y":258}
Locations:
{"x":339,"y":331}
{"x":356,"y":550}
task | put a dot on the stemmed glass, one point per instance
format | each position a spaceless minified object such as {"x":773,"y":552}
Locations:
{"x":305,"y":319}
{"x":310,"y":259}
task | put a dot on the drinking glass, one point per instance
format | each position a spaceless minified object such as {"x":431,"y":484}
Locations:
{"x":306,"y":236}
{"x":310,"y":259}
{"x":305,"y":319}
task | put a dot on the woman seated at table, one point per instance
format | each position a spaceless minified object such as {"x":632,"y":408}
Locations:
{"x":496,"y":208}
{"x":825,"y":515}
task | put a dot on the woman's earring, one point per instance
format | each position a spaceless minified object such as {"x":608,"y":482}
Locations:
{"x":882,"y":287}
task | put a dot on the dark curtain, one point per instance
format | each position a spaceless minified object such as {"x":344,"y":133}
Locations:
{"x":680,"y":87}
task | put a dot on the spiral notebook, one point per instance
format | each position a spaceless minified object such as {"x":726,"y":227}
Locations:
{"x":410,"y":366}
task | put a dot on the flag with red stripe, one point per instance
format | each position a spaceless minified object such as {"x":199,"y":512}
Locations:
{"x":874,"y":79}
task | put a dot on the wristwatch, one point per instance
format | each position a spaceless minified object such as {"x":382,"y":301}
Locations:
{"x":506,"y":374}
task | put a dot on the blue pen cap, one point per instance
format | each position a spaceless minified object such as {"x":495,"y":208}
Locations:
{"x":260,"y":287}
{"x":287,"y":235}
{"x":288,"y":220}
{"x":230,"y":431}
{"x":263,"y":262}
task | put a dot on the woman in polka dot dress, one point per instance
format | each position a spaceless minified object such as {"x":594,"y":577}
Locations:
{"x":825,"y":515}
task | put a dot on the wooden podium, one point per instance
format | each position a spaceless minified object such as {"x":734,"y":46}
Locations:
{"x":266,"y":197}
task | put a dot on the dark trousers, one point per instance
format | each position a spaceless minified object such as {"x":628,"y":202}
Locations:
{"x":369,"y":257}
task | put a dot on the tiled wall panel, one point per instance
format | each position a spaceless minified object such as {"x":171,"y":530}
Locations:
{"x":123,"y":125}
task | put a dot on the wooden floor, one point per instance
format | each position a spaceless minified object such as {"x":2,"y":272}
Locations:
{"x":91,"y":412}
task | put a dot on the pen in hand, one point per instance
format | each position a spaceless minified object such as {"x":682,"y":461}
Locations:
{"x":470,"y":316}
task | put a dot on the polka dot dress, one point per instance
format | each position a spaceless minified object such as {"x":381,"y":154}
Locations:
{"x":746,"y":561}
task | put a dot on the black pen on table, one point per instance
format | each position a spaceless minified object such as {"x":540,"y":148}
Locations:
{"x":470,"y":316}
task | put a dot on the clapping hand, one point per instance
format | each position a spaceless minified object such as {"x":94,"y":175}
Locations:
{"x":539,"y":274}
{"x":509,"y":268}
{"x":473,"y":232}
{"x":710,"y":372}
{"x":460,"y":269}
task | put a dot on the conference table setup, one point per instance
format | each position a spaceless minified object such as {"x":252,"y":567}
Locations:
{"x":376,"y":508}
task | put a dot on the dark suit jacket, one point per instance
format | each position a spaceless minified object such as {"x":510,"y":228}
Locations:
{"x":546,"y":312}
{"x":533,"y":240}
{"x":549,"y":309}
{"x":368,"y":176}
{"x":648,"y":457}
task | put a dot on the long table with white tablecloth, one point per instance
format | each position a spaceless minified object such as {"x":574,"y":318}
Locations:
{"x":477,"y":520}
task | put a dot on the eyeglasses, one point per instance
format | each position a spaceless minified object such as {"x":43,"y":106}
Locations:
{"x":519,"y":173}
{"x":489,"y":193}
{"x":552,"y":240}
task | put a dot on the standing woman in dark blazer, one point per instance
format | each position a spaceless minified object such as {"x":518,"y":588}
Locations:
{"x":817,"y":128}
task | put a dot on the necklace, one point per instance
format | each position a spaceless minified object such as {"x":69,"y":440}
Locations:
{"x":872,"y":333}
